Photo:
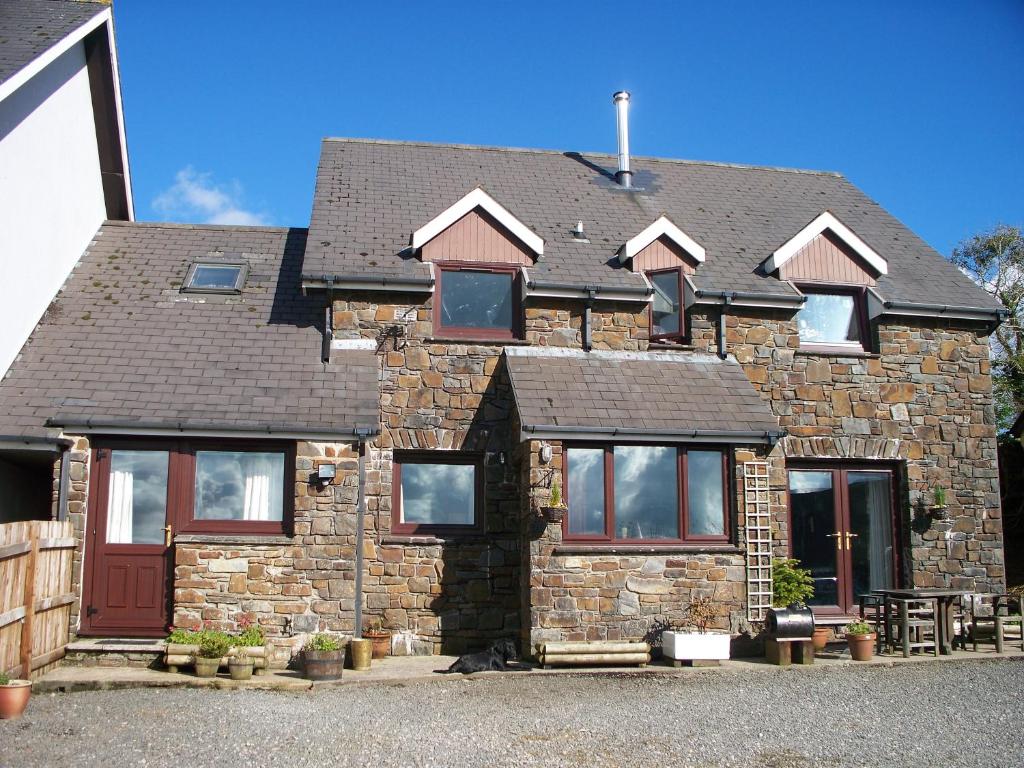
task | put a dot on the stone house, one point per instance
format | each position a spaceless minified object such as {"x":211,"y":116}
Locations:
{"x":715,"y":364}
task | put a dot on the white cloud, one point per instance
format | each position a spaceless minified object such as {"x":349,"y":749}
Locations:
{"x":195,"y":196}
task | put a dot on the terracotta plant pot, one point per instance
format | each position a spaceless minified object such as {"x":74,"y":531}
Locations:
{"x":381,"y":643}
{"x":240,"y":670}
{"x":324,"y":665}
{"x":552,"y":514}
{"x":207,"y":667}
{"x":820,"y":637}
{"x":862,"y":647}
{"x":14,"y":698}
{"x":360,"y":651}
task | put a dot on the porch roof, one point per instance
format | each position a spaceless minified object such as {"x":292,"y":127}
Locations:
{"x":568,"y":394}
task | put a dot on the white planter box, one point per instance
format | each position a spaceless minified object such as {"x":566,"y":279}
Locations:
{"x":693,"y":646}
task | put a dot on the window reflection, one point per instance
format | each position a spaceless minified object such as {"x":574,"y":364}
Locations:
{"x":586,"y":491}
{"x":137,"y":497}
{"x":239,"y":485}
{"x":646,"y":497}
{"x":829,"y":319}
{"x":704,"y":493}
{"x":438,"y":494}
{"x":665,"y":316}
{"x":476,"y":299}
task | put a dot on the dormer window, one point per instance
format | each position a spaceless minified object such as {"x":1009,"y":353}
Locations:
{"x":215,"y":277}
{"x":477,"y":302}
{"x":667,"y":304}
{"x":832,"y":317}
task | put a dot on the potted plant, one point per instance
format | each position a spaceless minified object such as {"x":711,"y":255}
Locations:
{"x":861,"y":639}
{"x":253,"y":639}
{"x":240,"y":664}
{"x":555,"y":510}
{"x":792,"y":587}
{"x":14,"y":695}
{"x":324,"y":657}
{"x":939,"y":508}
{"x":213,"y":646}
{"x":690,"y":640}
{"x":374,"y":631}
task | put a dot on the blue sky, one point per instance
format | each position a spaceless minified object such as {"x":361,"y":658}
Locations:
{"x":919,"y":103}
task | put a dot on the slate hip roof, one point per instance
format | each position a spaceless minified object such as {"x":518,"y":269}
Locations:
{"x":122,"y":347}
{"x":371,"y":195}
{"x":600,"y":395}
{"x":30,"y":27}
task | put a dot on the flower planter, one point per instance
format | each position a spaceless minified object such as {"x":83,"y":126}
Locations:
{"x":710,"y":647}
{"x":206,"y":667}
{"x":552,"y":515}
{"x":862,"y":647}
{"x":240,"y":670}
{"x":178,"y":655}
{"x":381,"y":643}
{"x":324,"y":665}
{"x":939,"y":511}
{"x":14,"y":698}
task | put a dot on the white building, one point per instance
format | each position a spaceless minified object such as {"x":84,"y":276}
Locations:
{"x":63,"y":156}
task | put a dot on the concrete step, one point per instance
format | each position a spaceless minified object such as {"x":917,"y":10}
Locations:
{"x":115,"y":652}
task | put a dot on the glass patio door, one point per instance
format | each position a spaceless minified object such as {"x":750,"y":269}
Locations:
{"x":841,"y":528}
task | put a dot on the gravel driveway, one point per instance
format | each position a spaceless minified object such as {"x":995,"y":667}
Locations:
{"x":955,"y":713}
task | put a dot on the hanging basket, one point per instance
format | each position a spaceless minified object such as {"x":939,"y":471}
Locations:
{"x":552,"y":514}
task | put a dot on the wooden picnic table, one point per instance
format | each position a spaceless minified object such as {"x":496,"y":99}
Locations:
{"x":944,"y":599}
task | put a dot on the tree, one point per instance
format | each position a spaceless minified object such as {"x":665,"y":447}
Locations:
{"x":995,"y":261}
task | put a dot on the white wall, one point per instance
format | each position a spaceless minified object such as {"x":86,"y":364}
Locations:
{"x":51,"y":192}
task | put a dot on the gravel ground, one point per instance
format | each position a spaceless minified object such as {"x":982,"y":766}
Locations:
{"x":954,"y":713}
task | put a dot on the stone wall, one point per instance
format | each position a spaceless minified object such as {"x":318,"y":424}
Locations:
{"x":77,"y":506}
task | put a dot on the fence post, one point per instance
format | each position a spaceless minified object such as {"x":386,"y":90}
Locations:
{"x":30,"y":602}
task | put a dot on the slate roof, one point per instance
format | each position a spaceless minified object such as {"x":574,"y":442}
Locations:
{"x":30,"y":27}
{"x":634,"y":391}
{"x":121,"y":342}
{"x":371,"y":195}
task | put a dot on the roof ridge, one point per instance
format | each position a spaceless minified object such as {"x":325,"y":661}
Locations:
{"x":538,"y":151}
{"x":201,"y":227}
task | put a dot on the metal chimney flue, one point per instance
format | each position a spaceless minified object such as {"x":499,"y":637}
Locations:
{"x":624,"y":176}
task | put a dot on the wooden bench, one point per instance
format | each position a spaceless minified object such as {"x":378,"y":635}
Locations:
{"x":592,"y":653}
{"x":783,"y":651}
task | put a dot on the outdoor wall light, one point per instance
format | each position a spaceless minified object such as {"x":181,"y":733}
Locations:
{"x":545,"y":454}
{"x":325,"y":473}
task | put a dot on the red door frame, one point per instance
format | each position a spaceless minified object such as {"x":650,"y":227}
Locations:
{"x":841,"y":506}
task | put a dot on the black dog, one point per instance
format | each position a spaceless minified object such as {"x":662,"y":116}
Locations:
{"x":495,"y":658}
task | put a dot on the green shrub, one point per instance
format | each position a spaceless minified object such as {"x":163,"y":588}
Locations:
{"x":940,"y":496}
{"x":252,"y":635}
{"x":858,"y":628}
{"x":556,"y":492}
{"x":214,"y":645}
{"x":5,"y":679}
{"x":790,"y":583}
{"x":184,"y":636}
{"x":322,"y":642}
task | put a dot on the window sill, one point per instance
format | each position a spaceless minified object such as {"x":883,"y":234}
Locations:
{"x":827,"y":351}
{"x":663,"y":346}
{"x":248,"y":539}
{"x":477,"y":341}
{"x":646,"y":549}
{"x":428,"y":541}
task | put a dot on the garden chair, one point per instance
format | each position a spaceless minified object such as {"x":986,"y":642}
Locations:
{"x":915,"y":624}
{"x":1006,"y":611}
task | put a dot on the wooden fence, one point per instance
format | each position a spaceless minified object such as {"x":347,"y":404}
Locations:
{"x":35,"y":594}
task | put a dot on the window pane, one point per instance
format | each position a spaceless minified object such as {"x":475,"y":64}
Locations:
{"x":137,"y":503}
{"x":665,"y":308}
{"x":476,"y":299}
{"x":438,"y":494}
{"x":586,"y":491}
{"x":829,"y":319}
{"x":812,"y":509}
{"x":239,"y":485}
{"x":646,"y":492}
{"x":214,"y":276}
{"x":704,"y":493}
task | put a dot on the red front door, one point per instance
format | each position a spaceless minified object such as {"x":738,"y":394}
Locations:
{"x":128,"y":553}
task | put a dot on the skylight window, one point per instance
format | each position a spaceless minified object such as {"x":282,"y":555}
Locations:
{"x":211,"y":277}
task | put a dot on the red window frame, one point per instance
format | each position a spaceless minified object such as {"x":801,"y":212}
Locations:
{"x":181,"y":483}
{"x":860,"y":304}
{"x":465,"y":459}
{"x":682,"y":316}
{"x":514,"y":332}
{"x":682,"y":451}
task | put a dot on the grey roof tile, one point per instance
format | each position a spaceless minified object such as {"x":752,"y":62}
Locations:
{"x":371,"y":195}
{"x":30,"y":27}
{"x":121,"y":342}
{"x":662,"y":392}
